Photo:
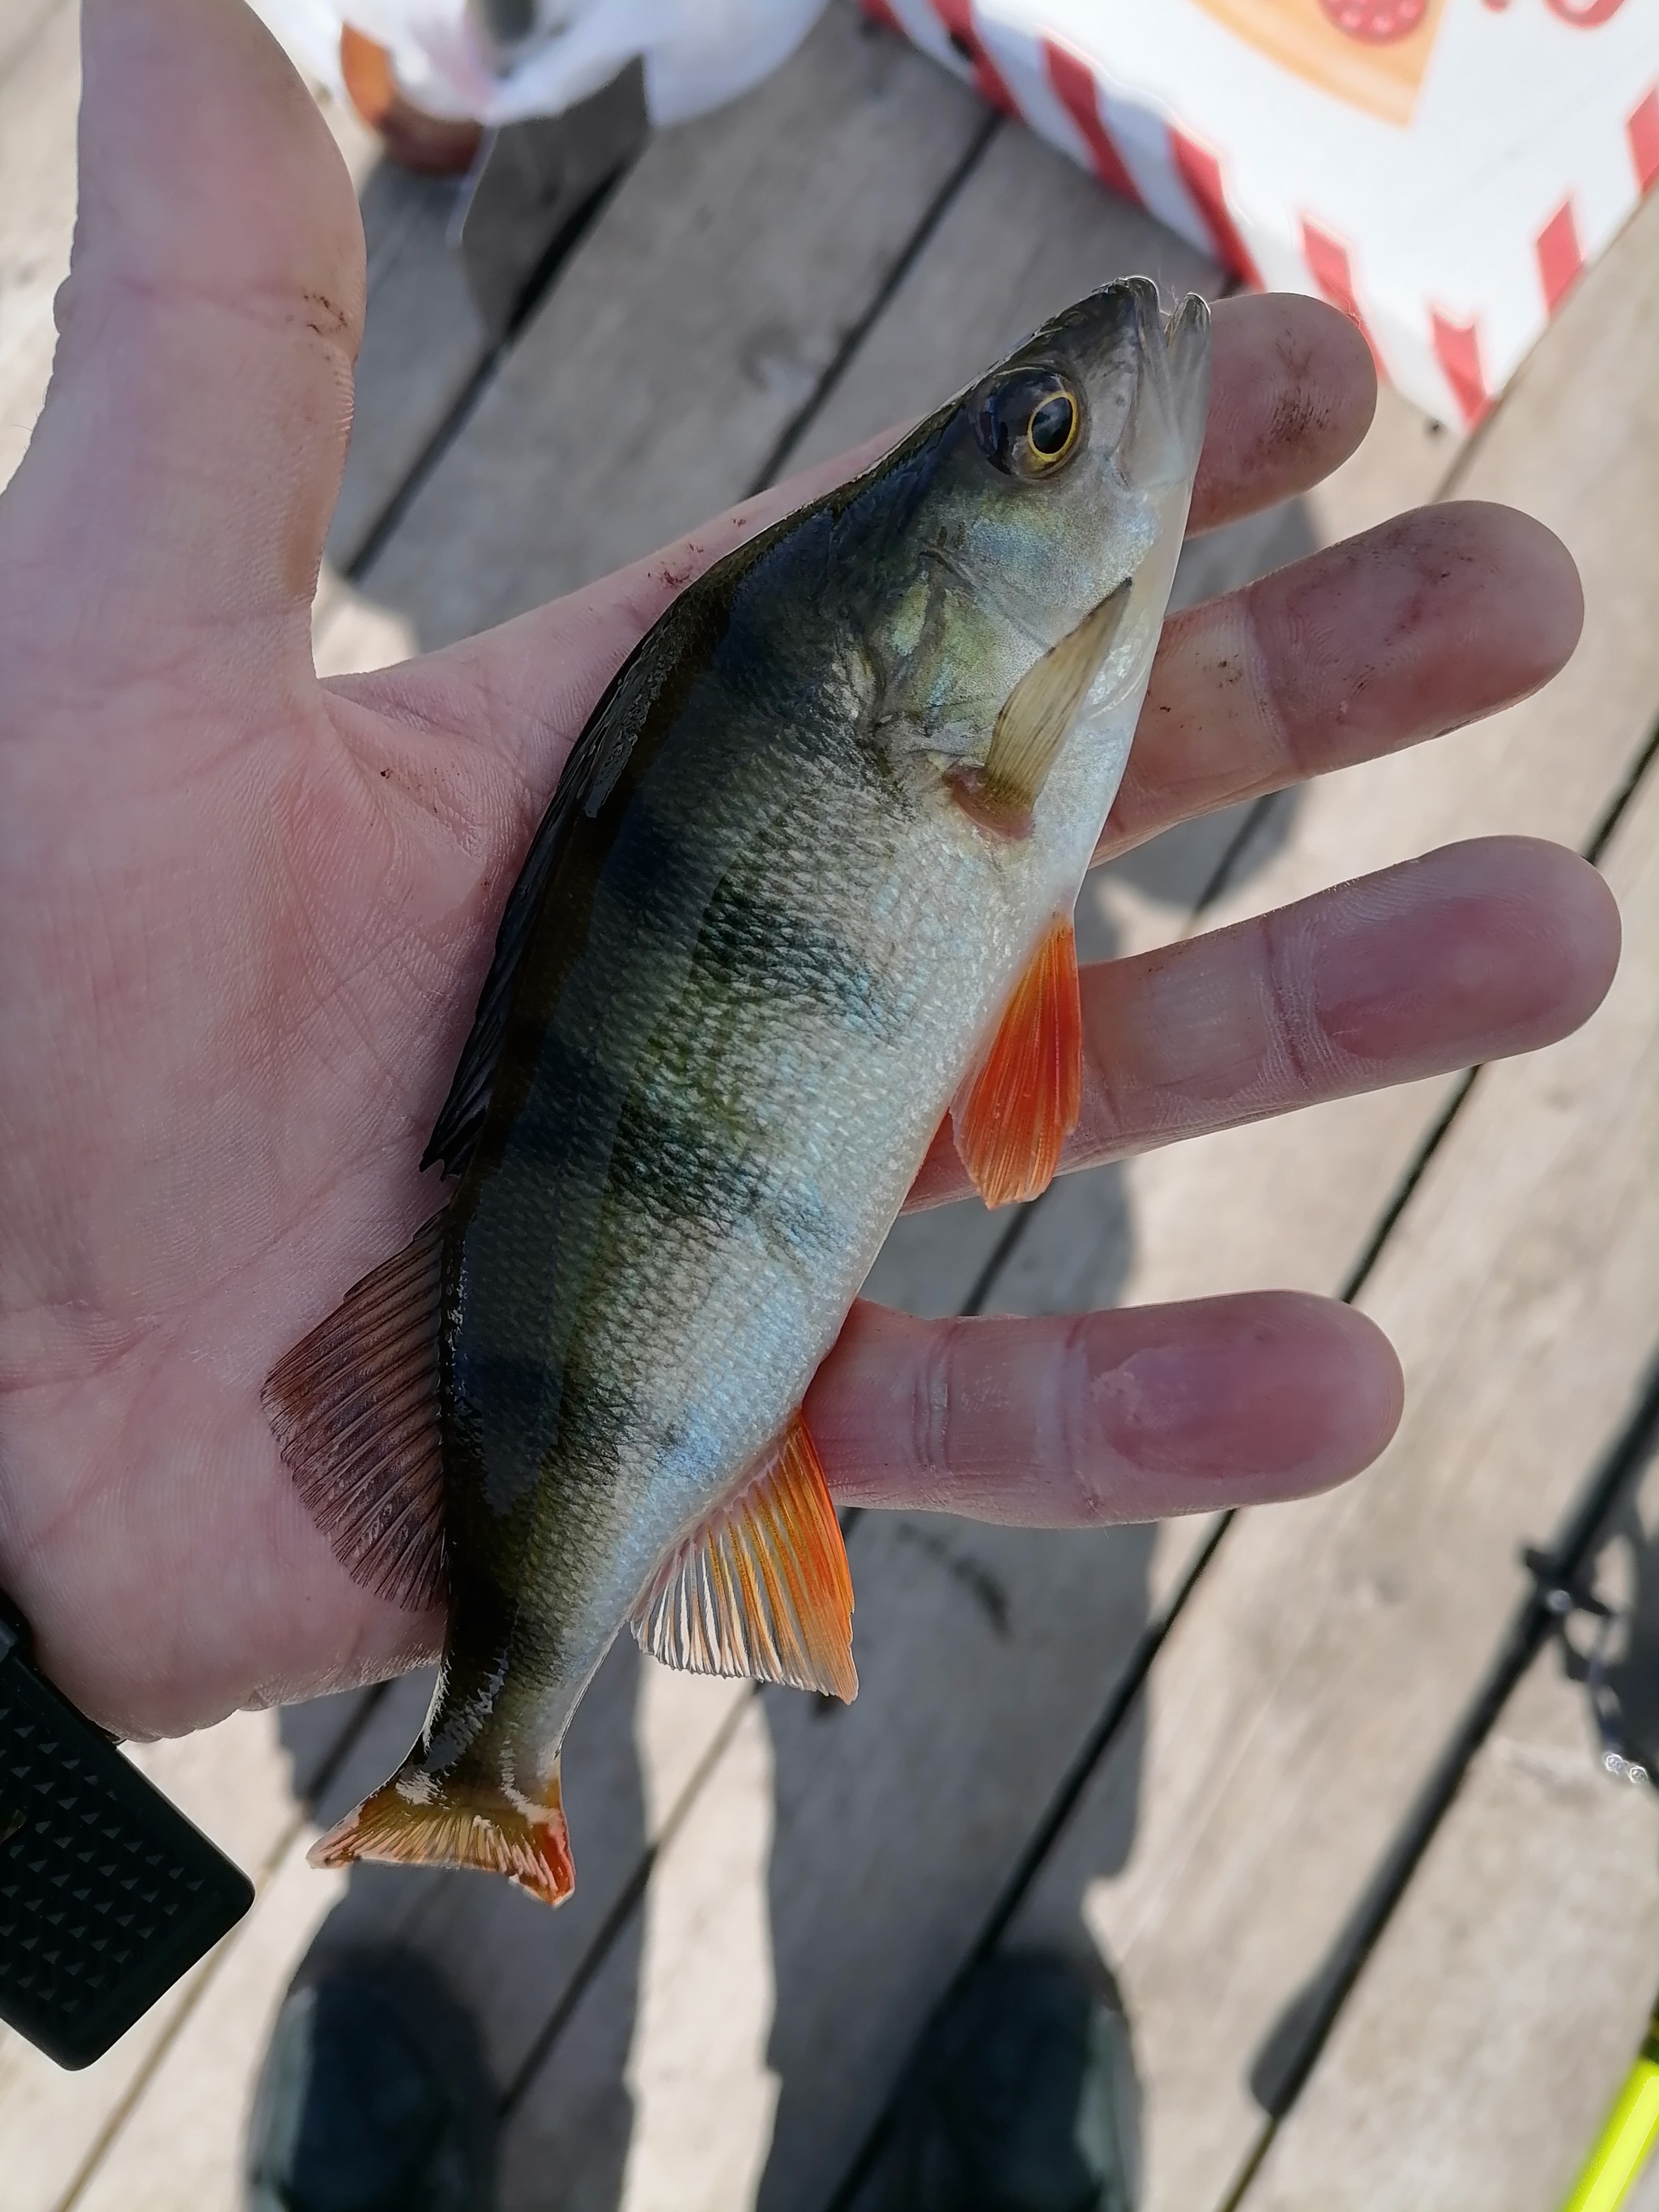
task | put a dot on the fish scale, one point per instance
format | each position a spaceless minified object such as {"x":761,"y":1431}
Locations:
{"x":804,"y":889}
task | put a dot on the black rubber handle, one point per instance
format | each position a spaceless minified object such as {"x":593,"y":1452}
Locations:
{"x":107,"y":1893}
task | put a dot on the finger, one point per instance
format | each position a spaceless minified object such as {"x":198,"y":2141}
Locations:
{"x":1104,"y":1417}
{"x":1293,"y":393}
{"x":1426,"y":623}
{"x":202,"y":392}
{"x":1472,"y":953}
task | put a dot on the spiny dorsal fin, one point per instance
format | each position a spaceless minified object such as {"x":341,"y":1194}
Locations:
{"x":1035,"y":721}
{"x":354,"y":1410}
{"x":762,"y":1587}
{"x":597,"y":760}
{"x":1021,"y":1098}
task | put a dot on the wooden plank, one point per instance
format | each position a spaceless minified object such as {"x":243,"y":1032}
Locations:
{"x":1027,"y":234}
{"x":964,"y":1570}
{"x":1289,"y":1714}
{"x":182,"y":2143}
{"x":515,"y":1961}
{"x":873,"y":1961}
{"x":413,"y":320}
{"x":422,"y":345}
{"x":1577,"y":444}
{"x":1293,"y":1713}
{"x":175,"y":2137}
{"x":422,"y":340}
{"x":891,"y":1826}
{"x":242,"y":1783}
{"x":687,"y":331}
{"x":1475,"y":2063}
{"x":896,"y":1821}
{"x":39,"y":97}
{"x":65,"y":2117}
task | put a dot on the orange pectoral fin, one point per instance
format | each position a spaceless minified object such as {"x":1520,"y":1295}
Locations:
{"x":1020,"y":1100}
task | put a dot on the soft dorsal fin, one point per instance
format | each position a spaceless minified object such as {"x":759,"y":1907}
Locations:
{"x":1021,"y":1098}
{"x":760,"y":1588}
{"x":589,"y":776}
{"x":354,"y":1410}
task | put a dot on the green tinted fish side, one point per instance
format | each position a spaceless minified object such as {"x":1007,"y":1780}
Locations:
{"x":609,"y":1128}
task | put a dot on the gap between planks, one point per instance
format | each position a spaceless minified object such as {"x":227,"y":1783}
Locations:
{"x":1602,"y":498}
{"x":1517,"y":2142}
{"x":1549,"y":785}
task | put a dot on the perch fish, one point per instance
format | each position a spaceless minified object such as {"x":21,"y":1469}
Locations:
{"x":804,"y":889}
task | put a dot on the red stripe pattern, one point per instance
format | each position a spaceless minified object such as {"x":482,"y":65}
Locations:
{"x":1073,"y":80}
{"x":1457,"y":345}
{"x":1642,"y":133}
{"x":1200,"y":172}
{"x":1560,"y":257}
{"x":1329,"y":263}
{"x":957,"y":17}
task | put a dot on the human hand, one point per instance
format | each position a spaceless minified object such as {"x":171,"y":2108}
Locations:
{"x":248,"y":913}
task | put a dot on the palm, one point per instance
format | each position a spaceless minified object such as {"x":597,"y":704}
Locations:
{"x":247,"y":913}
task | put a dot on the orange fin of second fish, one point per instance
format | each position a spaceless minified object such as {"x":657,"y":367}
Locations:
{"x":444,"y":1821}
{"x":1020,"y":1100}
{"x":354,"y":1410}
{"x":760,"y":1588}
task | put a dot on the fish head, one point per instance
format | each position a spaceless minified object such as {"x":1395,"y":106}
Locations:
{"x":1056,"y":485}
{"x":1083,"y":448}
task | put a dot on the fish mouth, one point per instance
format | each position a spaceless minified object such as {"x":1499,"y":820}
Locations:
{"x":1147,"y":374}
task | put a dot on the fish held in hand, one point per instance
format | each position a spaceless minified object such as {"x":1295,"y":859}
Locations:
{"x":804,"y":889}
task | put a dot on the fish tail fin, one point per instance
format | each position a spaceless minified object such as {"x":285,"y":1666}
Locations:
{"x":456,"y":1822}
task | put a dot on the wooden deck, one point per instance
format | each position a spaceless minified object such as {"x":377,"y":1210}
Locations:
{"x":1307,"y":1783}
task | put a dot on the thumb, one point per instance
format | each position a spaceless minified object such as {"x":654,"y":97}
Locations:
{"x":184,"y":468}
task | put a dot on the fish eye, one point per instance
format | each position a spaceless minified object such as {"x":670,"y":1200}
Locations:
{"x":1029,"y":423}
{"x":1053,"y":427}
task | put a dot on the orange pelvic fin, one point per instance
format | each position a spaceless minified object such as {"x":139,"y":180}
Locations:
{"x":454,"y":1824}
{"x":354,"y":1408}
{"x":760,"y":1588}
{"x":1020,"y":1100}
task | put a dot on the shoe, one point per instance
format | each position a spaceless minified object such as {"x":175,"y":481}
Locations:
{"x":1023,"y":2099}
{"x":373,"y":2097}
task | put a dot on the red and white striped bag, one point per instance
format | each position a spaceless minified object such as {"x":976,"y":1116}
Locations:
{"x":1442,"y":170}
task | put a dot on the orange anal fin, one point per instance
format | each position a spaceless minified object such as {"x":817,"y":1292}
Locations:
{"x":1020,"y":1100}
{"x":434,"y":1822}
{"x":760,"y":1588}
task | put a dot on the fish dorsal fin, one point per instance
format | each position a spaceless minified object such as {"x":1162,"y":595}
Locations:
{"x":760,"y":1588}
{"x":589,"y":776}
{"x":1021,"y":1098}
{"x":354,"y":1410}
{"x":1037,"y":719}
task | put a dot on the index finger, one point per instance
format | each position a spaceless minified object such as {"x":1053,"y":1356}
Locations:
{"x":1292,"y":392}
